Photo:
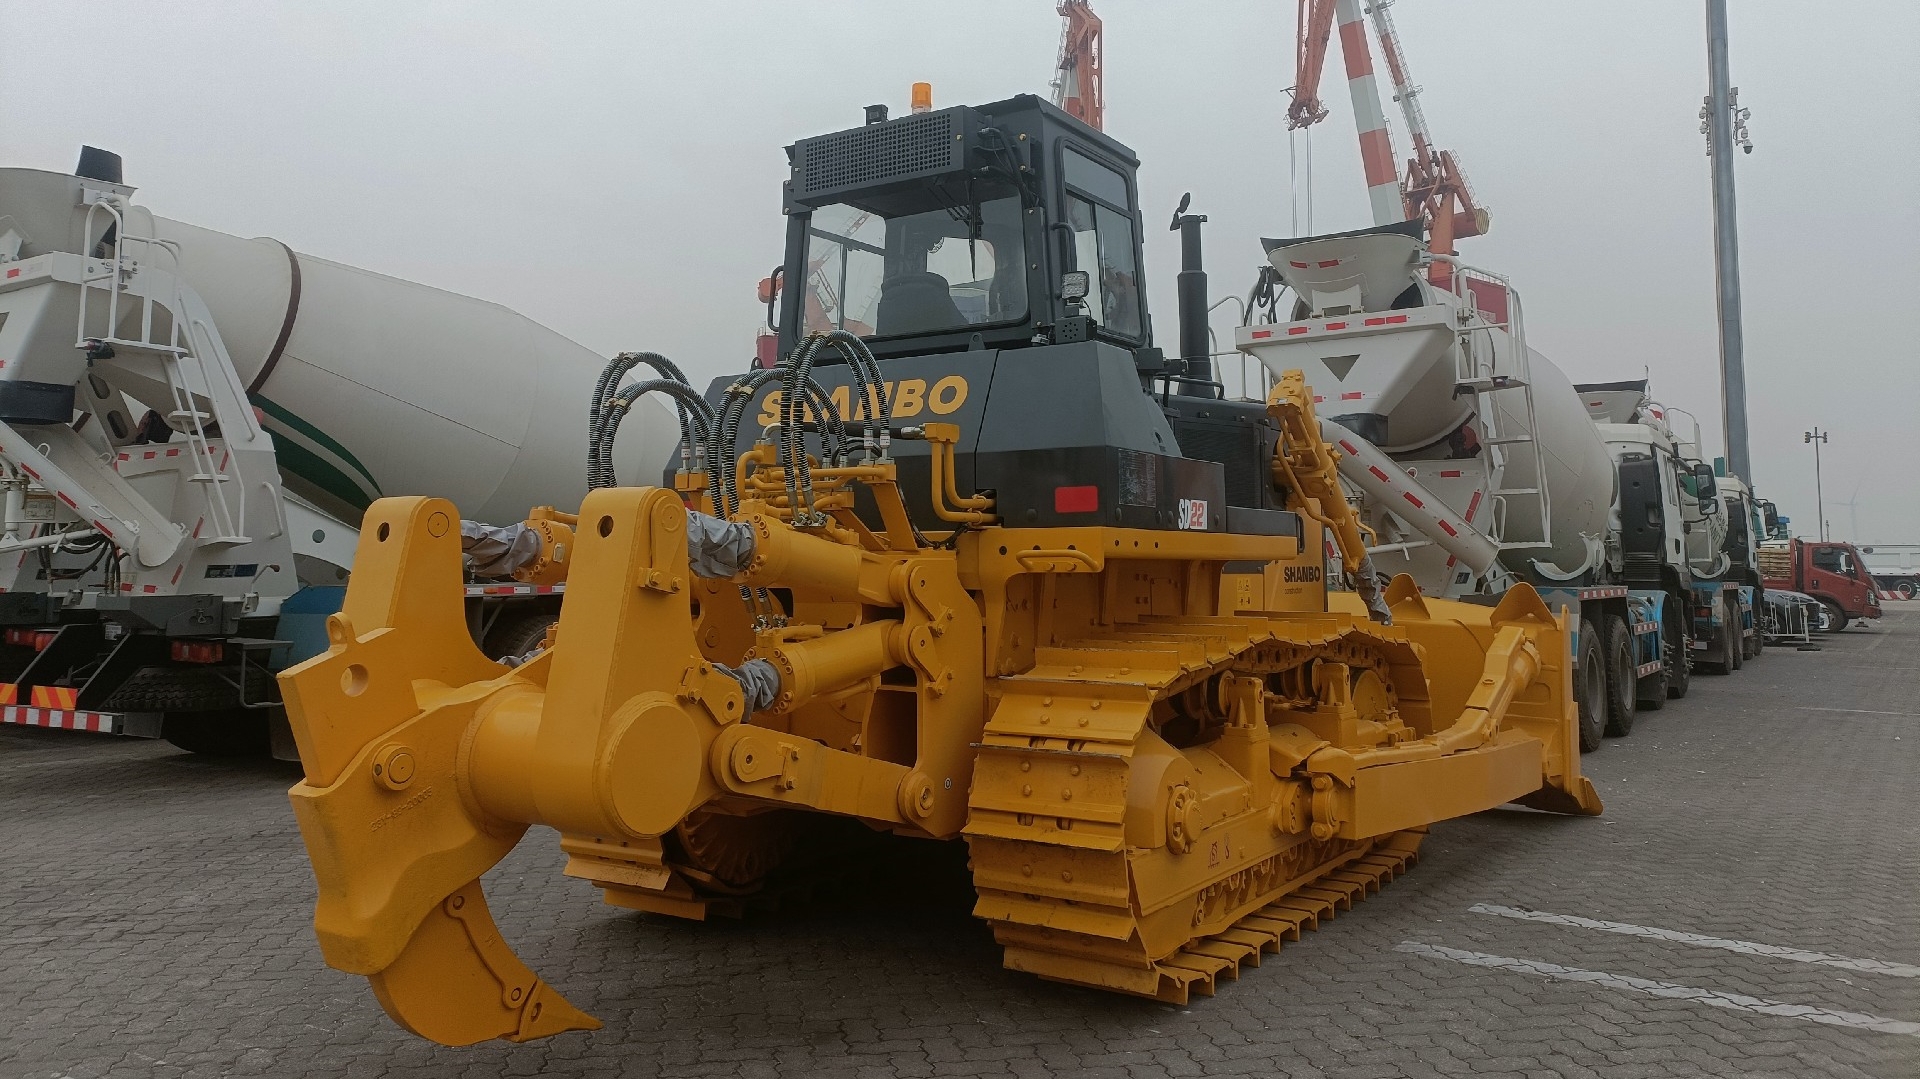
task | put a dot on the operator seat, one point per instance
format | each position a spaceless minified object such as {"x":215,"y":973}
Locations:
{"x":915,"y":302}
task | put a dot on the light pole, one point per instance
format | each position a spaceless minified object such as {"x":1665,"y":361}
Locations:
{"x":1817,"y":436}
{"x":1724,"y":123}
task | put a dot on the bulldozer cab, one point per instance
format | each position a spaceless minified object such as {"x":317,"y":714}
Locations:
{"x":952,"y":230}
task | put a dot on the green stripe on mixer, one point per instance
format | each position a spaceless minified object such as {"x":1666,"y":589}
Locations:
{"x":309,"y":453}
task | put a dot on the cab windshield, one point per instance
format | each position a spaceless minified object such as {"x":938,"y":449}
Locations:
{"x":932,"y":259}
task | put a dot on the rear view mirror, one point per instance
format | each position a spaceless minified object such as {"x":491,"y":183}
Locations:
{"x":1704,"y":487}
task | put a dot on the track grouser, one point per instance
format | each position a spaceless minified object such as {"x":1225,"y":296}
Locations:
{"x":975,"y":563}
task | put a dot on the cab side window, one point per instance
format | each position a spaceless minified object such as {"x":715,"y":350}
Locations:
{"x":1103,"y":244}
{"x":1831,"y":559}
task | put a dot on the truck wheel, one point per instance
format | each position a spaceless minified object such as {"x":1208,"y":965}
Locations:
{"x":226,"y":732}
{"x":1676,"y":650}
{"x":1906,"y":589}
{"x":1722,"y":661}
{"x":1836,"y":618}
{"x":1622,"y":688}
{"x":1592,"y":669}
{"x":516,"y":635}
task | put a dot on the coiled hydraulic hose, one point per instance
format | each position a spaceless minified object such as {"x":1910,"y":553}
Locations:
{"x":696,"y":423}
{"x":599,"y":459}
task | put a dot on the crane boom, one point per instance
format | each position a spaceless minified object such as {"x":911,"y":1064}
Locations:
{"x":1077,"y":83}
{"x":1376,"y":142}
{"x":1435,"y":189}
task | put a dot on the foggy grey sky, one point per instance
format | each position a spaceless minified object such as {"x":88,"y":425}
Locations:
{"x":613,"y":169}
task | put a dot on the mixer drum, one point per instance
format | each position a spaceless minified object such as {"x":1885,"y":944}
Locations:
{"x":369,"y":384}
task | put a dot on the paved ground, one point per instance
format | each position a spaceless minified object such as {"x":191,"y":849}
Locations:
{"x":153,"y":922}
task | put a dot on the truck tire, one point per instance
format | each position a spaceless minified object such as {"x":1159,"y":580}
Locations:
{"x":1676,"y":650}
{"x":516,"y":635}
{"x":1622,"y":685}
{"x":1836,"y":618}
{"x":1592,"y":687}
{"x":225,"y":732}
{"x":1723,"y":650}
{"x":1906,"y":589}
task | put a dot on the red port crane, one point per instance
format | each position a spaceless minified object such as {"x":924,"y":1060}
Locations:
{"x":1077,"y":85}
{"x":1435,"y":190}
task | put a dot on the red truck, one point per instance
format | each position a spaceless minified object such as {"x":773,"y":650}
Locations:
{"x":1831,"y":572}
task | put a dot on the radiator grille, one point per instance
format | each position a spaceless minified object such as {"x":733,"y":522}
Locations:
{"x":902,"y":148}
{"x":1236,"y":446}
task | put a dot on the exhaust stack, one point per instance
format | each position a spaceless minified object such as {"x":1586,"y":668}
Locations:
{"x":1195,"y":348}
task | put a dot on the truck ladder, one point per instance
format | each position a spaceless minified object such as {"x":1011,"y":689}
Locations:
{"x":175,"y":349}
{"x":1480,"y":370}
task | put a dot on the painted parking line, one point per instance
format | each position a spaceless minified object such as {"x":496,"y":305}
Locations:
{"x":1710,"y":997}
{"x":1859,"y":711}
{"x":1747,"y":947}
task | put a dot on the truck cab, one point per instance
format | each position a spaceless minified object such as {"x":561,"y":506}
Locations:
{"x":990,"y":259}
{"x":1832,"y":572}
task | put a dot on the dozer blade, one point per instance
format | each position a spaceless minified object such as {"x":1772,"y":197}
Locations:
{"x":396,"y":845}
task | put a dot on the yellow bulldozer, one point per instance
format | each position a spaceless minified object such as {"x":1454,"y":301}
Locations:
{"x":995,"y":570}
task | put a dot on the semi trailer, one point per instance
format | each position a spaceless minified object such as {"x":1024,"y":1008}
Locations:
{"x":191,"y":425}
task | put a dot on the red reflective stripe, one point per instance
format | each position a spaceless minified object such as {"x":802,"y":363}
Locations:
{"x":1298,"y":265}
{"x":1082,"y":499}
{"x":1348,"y":446}
{"x":1450,"y":473}
{"x":1408,"y":495}
{"x":68,"y":501}
{"x":1473,"y":505}
{"x":1376,"y":322}
{"x":1295,"y":330}
{"x":1376,"y":472}
{"x":1261,"y":333}
{"x":1448,"y":527}
{"x":1336,"y":325}
{"x":1329,"y":263}
{"x":1351,"y":396}
{"x":176,"y":573}
{"x":1396,"y":318}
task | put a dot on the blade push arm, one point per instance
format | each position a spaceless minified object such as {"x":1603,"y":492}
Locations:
{"x":1309,"y":468}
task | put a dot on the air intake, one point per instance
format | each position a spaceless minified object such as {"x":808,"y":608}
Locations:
{"x":98,"y":164}
{"x":903,"y":149}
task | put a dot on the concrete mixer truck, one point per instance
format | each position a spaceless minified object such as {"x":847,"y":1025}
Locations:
{"x":1473,"y":459}
{"x":191,"y":425}
{"x":1717,"y":520}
